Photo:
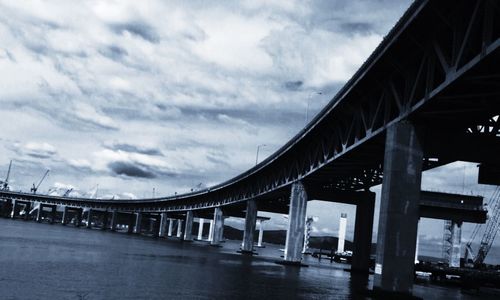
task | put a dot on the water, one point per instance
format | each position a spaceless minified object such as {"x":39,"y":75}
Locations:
{"x":42,"y":261}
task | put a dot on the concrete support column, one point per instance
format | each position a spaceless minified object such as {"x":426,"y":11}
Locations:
{"x":188,"y":231}
{"x":114,"y":220}
{"x":105,"y":219}
{"x":179,"y":228}
{"x":78,"y":217}
{"x":200,"y":228}
{"x":163,"y":224}
{"x":39,"y":213}
{"x":89,"y":218}
{"x":170,"y":226}
{"x":261,"y":232}
{"x":399,"y":210}
{"x":131,"y":223}
{"x":456,"y":244}
{"x":138,"y":223}
{"x":64,"y":220}
{"x":211,"y":231}
{"x":218,"y":226}
{"x":342,"y":232}
{"x":363,"y":229}
{"x":250,"y":220}
{"x":13,"y":214}
{"x":296,"y":224}
{"x":417,"y":243}
{"x":53,"y":212}
{"x":27,"y":210}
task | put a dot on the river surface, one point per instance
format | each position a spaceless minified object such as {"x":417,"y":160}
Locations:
{"x":42,"y":261}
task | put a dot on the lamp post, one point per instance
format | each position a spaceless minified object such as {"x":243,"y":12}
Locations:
{"x":309,"y":99}
{"x":257,"y":155}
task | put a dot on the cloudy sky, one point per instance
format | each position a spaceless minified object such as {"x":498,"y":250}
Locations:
{"x":136,"y":95}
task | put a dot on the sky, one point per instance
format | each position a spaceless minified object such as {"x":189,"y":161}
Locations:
{"x":120,"y":98}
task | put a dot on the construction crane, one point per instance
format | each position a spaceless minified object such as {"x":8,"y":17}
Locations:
{"x":490,"y":232}
{"x":35,"y":188}
{"x":66,"y":194}
{"x":5,"y":183}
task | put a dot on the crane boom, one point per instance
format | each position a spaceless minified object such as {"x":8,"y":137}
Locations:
{"x":5,"y":186}
{"x":35,"y":188}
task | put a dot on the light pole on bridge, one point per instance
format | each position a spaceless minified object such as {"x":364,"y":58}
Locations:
{"x":257,"y":155}
{"x":308,"y":100}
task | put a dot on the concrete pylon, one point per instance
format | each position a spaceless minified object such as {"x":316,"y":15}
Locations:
{"x":250,"y":221}
{"x":89,"y":217}
{"x":456,"y":244}
{"x":138,"y":223}
{"x":64,"y":220}
{"x":179,"y":228}
{"x":188,"y":231}
{"x":163,"y":224}
{"x":78,"y":217}
{"x":201,"y":221}
{"x":296,"y":224}
{"x":261,"y":232}
{"x":363,"y":229}
{"x":39,"y":213}
{"x":342,"y":232}
{"x":399,"y":210}
{"x":218,"y":226}
{"x":170,"y":227}
{"x":211,"y":231}
{"x":114,"y":220}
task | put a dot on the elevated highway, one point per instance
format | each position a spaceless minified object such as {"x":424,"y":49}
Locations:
{"x":427,"y":96}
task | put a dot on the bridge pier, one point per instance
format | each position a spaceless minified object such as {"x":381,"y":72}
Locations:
{"x":78,"y":216}
{"x":105,"y":219}
{"x":179,"y":228}
{"x":363,"y":229}
{"x":14,"y":212}
{"x":456,"y":244}
{"x":210,"y":231}
{"x":131,"y":223}
{"x":163,"y":224}
{"x":138,"y":223}
{"x":89,"y":218}
{"x":188,"y":231}
{"x":296,"y":225}
{"x":218,"y":227}
{"x":250,"y":220}
{"x":170,"y":227}
{"x":200,"y":228}
{"x":399,"y":211}
{"x":64,"y":220}
{"x":114,"y":220}
{"x":261,"y":233}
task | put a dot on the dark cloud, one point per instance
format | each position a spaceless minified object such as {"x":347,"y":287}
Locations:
{"x":131,"y":170}
{"x":357,"y":27}
{"x":136,"y":149}
{"x":140,"y":29}
{"x":114,"y":52}
{"x":293,"y":85}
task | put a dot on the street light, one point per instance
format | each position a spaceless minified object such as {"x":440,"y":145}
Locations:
{"x":257,"y":156}
{"x":308,"y":99}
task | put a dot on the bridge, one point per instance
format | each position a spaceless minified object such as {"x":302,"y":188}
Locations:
{"x":427,"y":96}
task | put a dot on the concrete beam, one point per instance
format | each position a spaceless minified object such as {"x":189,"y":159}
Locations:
{"x":399,"y":210}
